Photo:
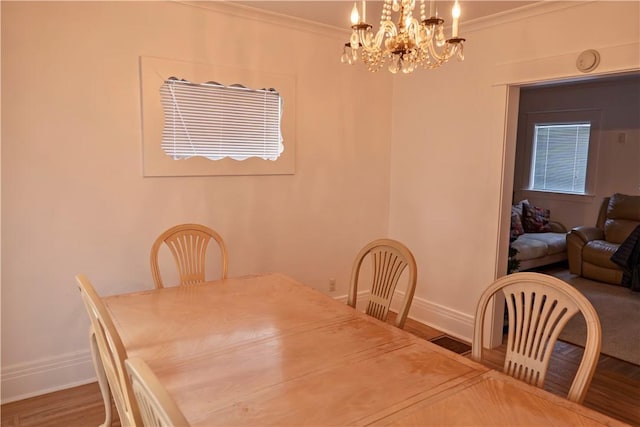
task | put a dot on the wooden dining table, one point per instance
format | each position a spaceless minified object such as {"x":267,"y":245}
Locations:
{"x":267,"y":350}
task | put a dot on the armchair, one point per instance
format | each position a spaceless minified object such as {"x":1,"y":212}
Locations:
{"x":590,"y":248}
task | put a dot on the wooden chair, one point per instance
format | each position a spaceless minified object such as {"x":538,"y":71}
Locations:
{"x":188,"y":244}
{"x":390,"y":258}
{"x":539,"y":306}
{"x":109,"y":361}
{"x":157,"y":408}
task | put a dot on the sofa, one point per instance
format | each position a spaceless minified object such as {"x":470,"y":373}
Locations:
{"x":537,"y":240}
{"x":590,"y":248}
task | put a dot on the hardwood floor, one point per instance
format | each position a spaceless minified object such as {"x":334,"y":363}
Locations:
{"x":615,"y":389}
{"x":74,"y":407}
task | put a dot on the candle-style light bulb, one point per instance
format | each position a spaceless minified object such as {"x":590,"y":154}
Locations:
{"x":355,"y":16}
{"x":455,"y":13}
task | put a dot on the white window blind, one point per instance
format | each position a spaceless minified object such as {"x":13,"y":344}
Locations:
{"x":216,"y":121}
{"x":560,"y":157}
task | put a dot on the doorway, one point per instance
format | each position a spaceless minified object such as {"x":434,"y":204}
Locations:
{"x":617,"y":155}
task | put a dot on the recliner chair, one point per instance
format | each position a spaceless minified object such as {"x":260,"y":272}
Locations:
{"x":589,"y":249}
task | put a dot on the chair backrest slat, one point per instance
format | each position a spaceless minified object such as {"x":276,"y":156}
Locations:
{"x":538,"y":308}
{"x":188,"y":244}
{"x":111,"y":351}
{"x":390,"y":259}
{"x":157,"y":407}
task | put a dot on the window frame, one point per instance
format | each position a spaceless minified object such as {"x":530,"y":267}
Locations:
{"x":594,"y":117}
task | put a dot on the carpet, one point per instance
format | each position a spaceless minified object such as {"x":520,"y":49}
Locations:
{"x":618,"y":309}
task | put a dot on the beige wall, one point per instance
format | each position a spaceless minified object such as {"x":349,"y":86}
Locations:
{"x":453,"y":148}
{"x":73,"y":196}
{"x":70,"y":78}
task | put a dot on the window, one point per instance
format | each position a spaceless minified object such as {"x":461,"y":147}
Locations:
{"x":177,"y":142}
{"x":560,"y":157}
{"x":560,"y":152}
{"x":216,"y":121}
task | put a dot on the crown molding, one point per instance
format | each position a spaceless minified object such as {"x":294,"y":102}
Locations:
{"x":517,"y":14}
{"x":247,"y":12}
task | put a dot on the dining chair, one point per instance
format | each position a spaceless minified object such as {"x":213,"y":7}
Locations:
{"x":389,"y":259}
{"x":188,"y":244}
{"x":157,"y":407}
{"x":109,"y":361}
{"x":538,"y":308}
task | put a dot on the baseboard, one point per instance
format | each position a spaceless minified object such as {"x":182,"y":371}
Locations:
{"x":24,"y":380}
{"x":451,"y":322}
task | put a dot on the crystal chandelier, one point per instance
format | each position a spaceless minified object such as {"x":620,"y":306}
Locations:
{"x":407,"y":45}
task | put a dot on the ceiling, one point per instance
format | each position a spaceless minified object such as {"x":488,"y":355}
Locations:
{"x":337,"y":12}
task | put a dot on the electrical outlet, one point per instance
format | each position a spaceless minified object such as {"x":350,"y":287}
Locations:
{"x":622,"y":138}
{"x":332,"y":285}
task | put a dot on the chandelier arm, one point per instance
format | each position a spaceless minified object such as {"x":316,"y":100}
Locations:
{"x":414,"y":30}
{"x":447,"y":51}
{"x":373,"y":43}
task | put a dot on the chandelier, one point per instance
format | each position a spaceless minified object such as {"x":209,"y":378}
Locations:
{"x":404,"y":46}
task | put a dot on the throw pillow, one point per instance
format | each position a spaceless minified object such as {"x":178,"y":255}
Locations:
{"x":517,"y":208}
{"x":535,"y":219}
{"x":516,"y":226}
